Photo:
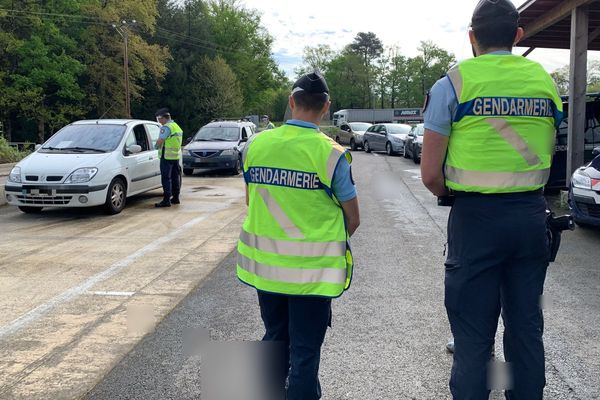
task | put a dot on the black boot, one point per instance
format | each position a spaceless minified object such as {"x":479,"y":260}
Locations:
{"x":175,"y":200}
{"x":164,"y":203}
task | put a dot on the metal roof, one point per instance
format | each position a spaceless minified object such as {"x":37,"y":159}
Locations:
{"x":547,"y":23}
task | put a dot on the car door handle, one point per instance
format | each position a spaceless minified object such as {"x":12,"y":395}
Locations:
{"x":151,"y":158}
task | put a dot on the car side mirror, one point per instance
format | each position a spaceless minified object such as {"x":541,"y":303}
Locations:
{"x":134,"y":149}
{"x":243,"y":140}
{"x":596,"y":151}
{"x":188,"y":140}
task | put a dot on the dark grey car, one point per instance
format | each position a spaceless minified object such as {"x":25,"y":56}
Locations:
{"x":386,"y":137}
{"x":218,"y":146}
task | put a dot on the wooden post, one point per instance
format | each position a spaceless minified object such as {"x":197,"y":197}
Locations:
{"x":577,"y":88}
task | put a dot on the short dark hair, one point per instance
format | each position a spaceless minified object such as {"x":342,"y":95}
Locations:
{"x":310,"y":101}
{"x":499,"y":34}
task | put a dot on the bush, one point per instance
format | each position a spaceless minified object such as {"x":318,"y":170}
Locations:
{"x":9,"y":154}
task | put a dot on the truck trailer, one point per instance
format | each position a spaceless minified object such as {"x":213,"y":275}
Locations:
{"x":379,"y":115}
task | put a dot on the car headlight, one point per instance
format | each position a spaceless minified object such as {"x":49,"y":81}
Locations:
{"x":82,"y":175}
{"x":186,"y":152}
{"x":581,"y":181}
{"x":15,"y":175}
{"x":228,"y":152}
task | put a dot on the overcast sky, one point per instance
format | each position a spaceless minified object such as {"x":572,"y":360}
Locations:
{"x":296,"y":24}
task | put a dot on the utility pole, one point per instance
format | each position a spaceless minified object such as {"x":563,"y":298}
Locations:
{"x":124,"y":32}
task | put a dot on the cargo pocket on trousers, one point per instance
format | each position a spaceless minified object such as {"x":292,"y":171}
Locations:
{"x":453,"y":284}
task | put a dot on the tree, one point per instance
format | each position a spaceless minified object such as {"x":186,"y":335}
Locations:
{"x":561,"y":78}
{"x":217,"y":91}
{"x":369,"y":47}
{"x":347,"y":76}
{"x":315,"y":58}
{"x":427,"y":67}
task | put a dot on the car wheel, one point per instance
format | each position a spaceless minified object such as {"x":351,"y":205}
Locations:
{"x":388,"y":149}
{"x":116,"y":197}
{"x":188,"y":171}
{"x":238,"y":167}
{"x":353,"y":145}
{"x":415,"y":157}
{"x":405,"y":153}
{"x":367,"y":147}
{"x":30,"y":210}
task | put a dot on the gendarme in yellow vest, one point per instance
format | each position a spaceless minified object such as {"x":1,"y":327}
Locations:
{"x":294,"y":239}
{"x":503,"y":136}
{"x":172,"y":145}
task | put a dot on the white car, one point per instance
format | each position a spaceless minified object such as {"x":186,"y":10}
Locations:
{"x":88,"y":163}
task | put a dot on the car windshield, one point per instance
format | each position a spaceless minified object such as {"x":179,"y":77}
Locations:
{"x":100,"y":138}
{"x":398,"y":129}
{"x":217,"y":133}
{"x":359,"y":126}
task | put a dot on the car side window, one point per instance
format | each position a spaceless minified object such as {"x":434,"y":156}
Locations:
{"x":372,"y":128}
{"x":345,"y":128}
{"x":244,"y":133}
{"x":141,"y":137}
{"x":154,"y":133}
{"x":382,"y":130}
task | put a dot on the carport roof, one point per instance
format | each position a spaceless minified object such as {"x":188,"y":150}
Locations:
{"x":547,"y":23}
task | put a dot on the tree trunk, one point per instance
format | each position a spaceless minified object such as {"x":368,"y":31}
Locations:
{"x":41,"y":134}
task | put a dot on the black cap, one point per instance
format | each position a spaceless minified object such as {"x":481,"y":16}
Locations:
{"x":162,"y":112}
{"x":311,"y":83}
{"x":494,"y":11}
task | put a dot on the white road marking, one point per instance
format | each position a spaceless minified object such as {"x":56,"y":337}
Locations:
{"x":69,"y":294}
{"x":124,"y":294}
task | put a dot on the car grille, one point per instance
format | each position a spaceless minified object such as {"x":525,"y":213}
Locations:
{"x":32,"y":178}
{"x":591,"y":210}
{"x":54,"y":178}
{"x":44,"y":200}
{"x":206,"y":153}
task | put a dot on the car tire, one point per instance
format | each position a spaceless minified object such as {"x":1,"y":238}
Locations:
{"x":405,"y":153}
{"x":116,"y":197}
{"x":353,"y":145}
{"x":30,"y":210}
{"x":389,"y":149}
{"x":188,"y":171}
{"x":238,"y":167}
{"x":367,"y":147}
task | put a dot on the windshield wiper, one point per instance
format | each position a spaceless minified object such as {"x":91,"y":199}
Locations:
{"x":221,"y":140}
{"x":82,"y":149}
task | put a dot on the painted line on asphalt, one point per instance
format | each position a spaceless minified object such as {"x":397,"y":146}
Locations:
{"x":115,"y":268}
{"x":124,"y":294}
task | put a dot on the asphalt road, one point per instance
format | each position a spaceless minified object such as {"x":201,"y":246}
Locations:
{"x":79,"y":289}
{"x":390,"y":329}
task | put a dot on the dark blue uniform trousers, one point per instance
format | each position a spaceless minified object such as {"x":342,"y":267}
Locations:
{"x":170,"y":175}
{"x":299,"y":323}
{"x":497,"y":259}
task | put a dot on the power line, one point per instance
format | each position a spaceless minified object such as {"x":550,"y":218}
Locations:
{"x":38,"y":13}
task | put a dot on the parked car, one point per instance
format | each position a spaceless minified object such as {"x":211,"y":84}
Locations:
{"x":584,"y":192}
{"x":351,"y":134}
{"x":414,"y":143}
{"x":217,"y":145}
{"x":386,"y":137}
{"x":88,"y":163}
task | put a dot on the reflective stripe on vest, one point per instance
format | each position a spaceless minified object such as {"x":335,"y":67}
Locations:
{"x":294,"y":239}
{"x":503,"y":134}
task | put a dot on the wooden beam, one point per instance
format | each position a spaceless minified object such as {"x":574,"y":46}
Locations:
{"x":594,"y":35}
{"x":577,"y":89}
{"x":562,"y":10}
{"x":528,"y":52}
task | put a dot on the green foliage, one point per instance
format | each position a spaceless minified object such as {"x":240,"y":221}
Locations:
{"x":62,"y":60}
{"x":363,"y":75}
{"x":9,"y":154}
{"x":561,"y":78}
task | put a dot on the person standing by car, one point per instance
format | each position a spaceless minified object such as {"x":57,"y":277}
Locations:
{"x":169,"y":151}
{"x":293,"y":248}
{"x":267,"y":122}
{"x":490,"y":129}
